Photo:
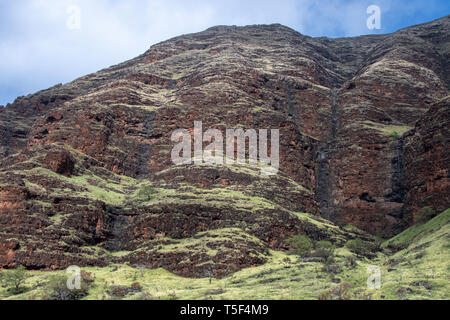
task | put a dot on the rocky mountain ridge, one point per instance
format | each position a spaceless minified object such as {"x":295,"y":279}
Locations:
{"x":86,"y":176}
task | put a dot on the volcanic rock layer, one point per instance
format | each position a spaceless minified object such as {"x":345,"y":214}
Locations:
{"x":86,"y":176}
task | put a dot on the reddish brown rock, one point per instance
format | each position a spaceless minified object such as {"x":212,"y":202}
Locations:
{"x":86,"y":176}
{"x":60,"y":162}
{"x":427,"y":161}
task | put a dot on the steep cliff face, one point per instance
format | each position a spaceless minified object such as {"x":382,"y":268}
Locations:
{"x":86,"y":175}
{"x":399,"y":80}
{"x":427,"y":161}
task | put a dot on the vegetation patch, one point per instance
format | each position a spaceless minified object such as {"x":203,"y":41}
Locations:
{"x":387,"y":130}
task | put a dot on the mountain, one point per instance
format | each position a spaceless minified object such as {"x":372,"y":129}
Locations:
{"x":86,"y":176}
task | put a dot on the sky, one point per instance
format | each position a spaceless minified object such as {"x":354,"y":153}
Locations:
{"x":46,"y":42}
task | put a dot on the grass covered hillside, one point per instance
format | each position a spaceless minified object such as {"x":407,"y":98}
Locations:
{"x":413,"y":265}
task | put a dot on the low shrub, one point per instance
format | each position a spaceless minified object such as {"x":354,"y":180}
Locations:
{"x":363,"y":248}
{"x":423,"y":215}
{"x":136,"y":286}
{"x":350,"y":261}
{"x":118,"y":291}
{"x":145,"y":193}
{"x":58,"y":289}
{"x":14,"y":279}
{"x":331,"y":268}
{"x":300,"y":245}
{"x":324,"y":249}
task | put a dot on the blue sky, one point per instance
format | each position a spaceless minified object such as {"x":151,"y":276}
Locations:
{"x":45,"y":42}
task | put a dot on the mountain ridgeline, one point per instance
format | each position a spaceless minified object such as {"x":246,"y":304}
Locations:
{"x":86,"y":176}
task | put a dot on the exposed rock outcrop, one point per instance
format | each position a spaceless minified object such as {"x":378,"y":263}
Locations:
{"x":85,"y":170}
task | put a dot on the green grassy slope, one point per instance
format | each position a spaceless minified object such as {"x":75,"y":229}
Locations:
{"x":418,"y":271}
